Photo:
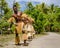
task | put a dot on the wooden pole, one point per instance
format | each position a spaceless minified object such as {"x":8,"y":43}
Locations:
{"x":14,"y":2}
{"x":1,"y":7}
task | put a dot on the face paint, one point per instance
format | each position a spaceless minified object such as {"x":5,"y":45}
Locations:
{"x":15,"y":10}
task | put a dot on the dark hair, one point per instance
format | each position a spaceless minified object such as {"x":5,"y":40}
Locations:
{"x":14,"y":6}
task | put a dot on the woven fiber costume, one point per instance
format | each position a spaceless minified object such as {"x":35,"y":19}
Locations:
{"x":20,"y":20}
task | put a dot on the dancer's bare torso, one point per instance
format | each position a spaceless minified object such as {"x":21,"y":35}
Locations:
{"x":17,"y":17}
{"x":20,"y":20}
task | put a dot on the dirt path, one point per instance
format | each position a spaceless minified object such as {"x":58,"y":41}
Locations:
{"x":52,"y":40}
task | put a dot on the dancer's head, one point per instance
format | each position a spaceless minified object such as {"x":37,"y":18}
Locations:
{"x":15,"y":9}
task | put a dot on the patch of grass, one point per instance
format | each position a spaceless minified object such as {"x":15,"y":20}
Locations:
{"x":5,"y":38}
{"x":41,"y":34}
{"x":57,"y":32}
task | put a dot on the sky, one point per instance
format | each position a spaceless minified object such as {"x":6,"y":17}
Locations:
{"x":57,"y":2}
{"x":48,"y":2}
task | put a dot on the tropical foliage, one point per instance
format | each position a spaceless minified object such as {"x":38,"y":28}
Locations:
{"x":47,"y":18}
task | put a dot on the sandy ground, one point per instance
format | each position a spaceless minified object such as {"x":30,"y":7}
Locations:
{"x":52,"y":40}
